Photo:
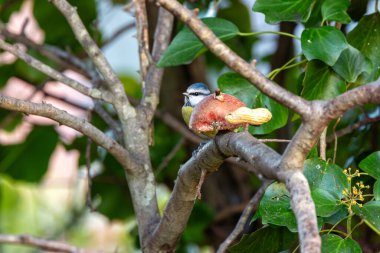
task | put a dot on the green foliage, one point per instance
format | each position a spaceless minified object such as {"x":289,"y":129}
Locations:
{"x":335,"y":244}
{"x":333,"y":10}
{"x":269,"y":239}
{"x":185,"y":47}
{"x":366,"y":38}
{"x":323,"y":43}
{"x":321,"y":82}
{"x":33,"y":168}
{"x":287,"y":10}
{"x":371,"y":165}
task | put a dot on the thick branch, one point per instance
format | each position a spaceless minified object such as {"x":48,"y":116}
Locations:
{"x":223,"y":52}
{"x":369,"y":93}
{"x":64,"y":118}
{"x":209,"y":158}
{"x":154,"y":76}
{"x":43,"y":244}
{"x":49,"y":71}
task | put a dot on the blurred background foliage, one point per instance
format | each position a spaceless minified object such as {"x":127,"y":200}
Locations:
{"x":29,"y":206}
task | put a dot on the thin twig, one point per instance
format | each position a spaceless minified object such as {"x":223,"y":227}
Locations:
{"x":113,"y":124}
{"x":117,"y":34}
{"x":349,"y":129}
{"x":335,"y":139}
{"x":56,"y":75}
{"x":245,"y":216}
{"x":88,"y":168}
{"x":43,"y":244}
{"x":170,"y":156}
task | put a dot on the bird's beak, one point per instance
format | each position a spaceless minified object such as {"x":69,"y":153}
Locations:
{"x":185,"y":94}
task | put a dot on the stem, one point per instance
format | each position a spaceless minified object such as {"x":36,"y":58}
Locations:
{"x":328,"y":231}
{"x":274,"y":73}
{"x":349,"y":231}
{"x":270,"y":32}
{"x":355,"y":227}
{"x":336,"y":224}
{"x":377,"y":5}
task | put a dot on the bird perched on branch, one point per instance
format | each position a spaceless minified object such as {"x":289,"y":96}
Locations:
{"x":207,"y":114}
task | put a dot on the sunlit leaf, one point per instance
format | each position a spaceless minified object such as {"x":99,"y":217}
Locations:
{"x":326,"y":203}
{"x":185,"y":47}
{"x":376,"y":190}
{"x":370,"y":212}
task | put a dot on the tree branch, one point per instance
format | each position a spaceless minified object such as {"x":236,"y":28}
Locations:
{"x":142,"y":38}
{"x":64,"y":118}
{"x":49,"y":71}
{"x":247,"y":213}
{"x":209,"y":158}
{"x":154,"y":76}
{"x":351,"y":128}
{"x":43,"y":244}
{"x":122,"y":105}
{"x":231,"y":59}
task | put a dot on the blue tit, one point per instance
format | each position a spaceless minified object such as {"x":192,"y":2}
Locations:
{"x":193,"y":95}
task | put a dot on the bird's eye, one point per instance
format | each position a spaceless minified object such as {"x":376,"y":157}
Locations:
{"x":196,"y":93}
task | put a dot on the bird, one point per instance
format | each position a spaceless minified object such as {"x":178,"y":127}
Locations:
{"x":207,"y":113}
{"x":193,"y":95}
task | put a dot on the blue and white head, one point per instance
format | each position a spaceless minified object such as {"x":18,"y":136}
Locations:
{"x":195,"y":93}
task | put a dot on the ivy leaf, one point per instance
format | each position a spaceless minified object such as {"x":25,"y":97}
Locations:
{"x":279,"y":115}
{"x":323,"y":43}
{"x":370,"y":212}
{"x":325,"y":176}
{"x":185,"y":47}
{"x":284,"y":10}
{"x":335,"y":244}
{"x":234,"y":84}
{"x":351,"y":63}
{"x":268,"y":239}
{"x":333,"y":10}
{"x":321,"y":82}
{"x":371,"y":165}
{"x":366,"y":37}
{"x":275,"y":207}
{"x":376,"y":190}
{"x":326,"y":203}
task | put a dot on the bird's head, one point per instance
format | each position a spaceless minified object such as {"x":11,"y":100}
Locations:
{"x":195,"y":93}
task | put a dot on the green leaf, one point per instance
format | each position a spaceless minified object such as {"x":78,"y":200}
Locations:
{"x":234,"y":84}
{"x":371,"y":213}
{"x":333,"y":10}
{"x":371,"y":165}
{"x":366,"y":37}
{"x":275,"y":207}
{"x":185,"y":47}
{"x":351,"y":63}
{"x":268,"y":239}
{"x":326,"y":203}
{"x":376,"y":190}
{"x":29,"y":160}
{"x":321,"y":82}
{"x":323,"y":43}
{"x":333,"y":219}
{"x":335,"y":244}
{"x":322,"y":175}
{"x":279,"y":115}
{"x":284,"y":10}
